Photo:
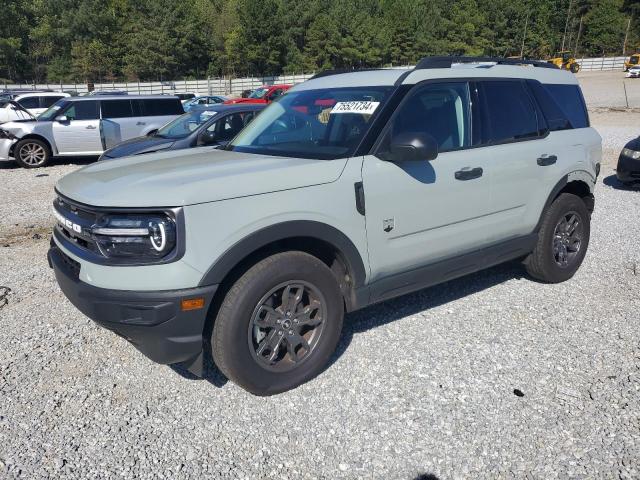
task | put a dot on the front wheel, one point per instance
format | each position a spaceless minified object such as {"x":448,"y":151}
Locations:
{"x":32,"y":153}
{"x":575,"y":68}
{"x":562,"y":240}
{"x":279,"y":323}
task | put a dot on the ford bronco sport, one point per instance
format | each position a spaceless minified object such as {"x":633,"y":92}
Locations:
{"x":351,"y":189}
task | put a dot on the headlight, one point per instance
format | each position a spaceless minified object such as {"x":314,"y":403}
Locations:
{"x":627,"y":152}
{"x":138,"y":237}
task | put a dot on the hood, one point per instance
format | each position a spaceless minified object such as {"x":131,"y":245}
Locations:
{"x":19,"y":127}
{"x":633,"y":144}
{"x":138,"y":145}
{"x":200,"y":175}
{"x":244,"y":100}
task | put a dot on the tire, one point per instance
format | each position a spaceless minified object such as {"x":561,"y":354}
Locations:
{"x":544,"y":263}
{"x":575,"y":68}
{"x":242,"y":348}
{"x":32,"y":153}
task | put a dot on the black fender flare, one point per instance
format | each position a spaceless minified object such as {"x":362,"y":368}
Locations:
{"x":562,"y":183}
{"x":282,"y":231}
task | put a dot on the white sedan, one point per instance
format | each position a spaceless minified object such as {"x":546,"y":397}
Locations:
{"x":634,"y":72}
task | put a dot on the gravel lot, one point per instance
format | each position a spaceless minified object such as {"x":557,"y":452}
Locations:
{"x":422,"y":385}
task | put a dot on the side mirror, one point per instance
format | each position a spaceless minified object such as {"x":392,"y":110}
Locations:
{"x":207,"y":138}
{"x":62,"y":119}
{"x":412,"y":147}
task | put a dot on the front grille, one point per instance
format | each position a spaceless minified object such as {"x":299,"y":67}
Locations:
{"x":82,"y":219}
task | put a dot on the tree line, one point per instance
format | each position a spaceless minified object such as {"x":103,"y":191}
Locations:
{"x":91,"y":40}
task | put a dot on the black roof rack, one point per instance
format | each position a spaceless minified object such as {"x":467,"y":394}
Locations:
{"x":447,"y":61}
{"x":338,"y":71}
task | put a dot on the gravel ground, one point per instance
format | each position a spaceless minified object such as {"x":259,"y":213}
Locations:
{"x":490,"y":376}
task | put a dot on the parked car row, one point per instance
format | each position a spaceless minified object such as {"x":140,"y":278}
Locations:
{"x":36,"y":126}
{"x":27,"y":105}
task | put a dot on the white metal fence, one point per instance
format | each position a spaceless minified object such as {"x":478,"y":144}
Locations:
{"x":235,"y":86}
{"x":602,"y":63}
{"x":209,"y":86}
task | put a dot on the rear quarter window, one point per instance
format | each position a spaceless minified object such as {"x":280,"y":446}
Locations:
{"x":509,"y":112}
{"x":569,"y":99}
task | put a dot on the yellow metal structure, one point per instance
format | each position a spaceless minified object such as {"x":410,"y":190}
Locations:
{"x":565,"y":61}
{"x":633,"y":61}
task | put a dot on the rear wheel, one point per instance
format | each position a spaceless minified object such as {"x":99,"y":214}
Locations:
{"x":575,"y":67}
{"x":562,"y":241}
{"x":279,"y":323}
{"x":32,"y":153}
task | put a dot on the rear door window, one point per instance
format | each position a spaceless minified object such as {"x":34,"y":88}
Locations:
{"x":30,"y":102}
{"x":508,"y":110}
{"x":46,"y":102}
{"x":161,"y":106}
{"x":116,"y":109}
{"x":83,"y":110}
{"x":553,"y":114}
{"x":570,"y":100}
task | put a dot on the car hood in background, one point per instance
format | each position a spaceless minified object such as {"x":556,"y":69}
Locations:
{"x":138,"y":145}
{"x":244,"y":100}
{"x":198,"y":175}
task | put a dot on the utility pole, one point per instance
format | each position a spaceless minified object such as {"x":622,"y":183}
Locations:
{"x":626,"y":37}
{"x":566,"y":24}
{"x":524,"y":35}
{"x":575,"y":52}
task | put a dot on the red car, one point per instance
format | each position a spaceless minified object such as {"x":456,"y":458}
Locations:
{"x":264,"y":94}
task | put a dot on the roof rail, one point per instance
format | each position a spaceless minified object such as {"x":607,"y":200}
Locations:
{"x":338,"y":71}
{"x":447,"y":61}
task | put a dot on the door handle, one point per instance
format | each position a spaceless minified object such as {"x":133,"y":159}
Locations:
{"x":468,"y":173}
{"x":141,"y":123}
{"x":90,"y":127}
{"x":546,"y":160}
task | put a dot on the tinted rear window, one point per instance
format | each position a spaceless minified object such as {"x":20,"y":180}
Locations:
{"x":30,"y":102}
{"x":46,"y":102}
{"x":553,"y":114}
{"x":569,"y":98}
{"x":509,"y":111}
{"x":116,"y":108}
{"x":84,"y":110}
{"x":160,"y":106}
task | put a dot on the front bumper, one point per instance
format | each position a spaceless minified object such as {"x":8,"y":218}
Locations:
{"x":152,"y":321}
{"x":5,"y":148}
{"x":628,"y":169}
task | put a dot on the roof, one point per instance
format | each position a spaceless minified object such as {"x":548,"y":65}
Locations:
{"x":221,"y":107}
{"x":442,"y":67}
{"x":120,"y":97}
{"x":42,"y":94}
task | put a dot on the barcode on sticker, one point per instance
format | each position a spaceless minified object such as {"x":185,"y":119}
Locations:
{"x":365,"y":108}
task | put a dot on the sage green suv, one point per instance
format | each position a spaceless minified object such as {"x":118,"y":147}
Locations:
{"x":350,"y":189}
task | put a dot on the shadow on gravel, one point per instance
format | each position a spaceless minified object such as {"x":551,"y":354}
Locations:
{"x":426,"y":476}
{"x":211,"y":372}
{"x":79,"y":161}
{"x":386,"y":312}
{"x":382,"y":313}
{"x":613,"y":182}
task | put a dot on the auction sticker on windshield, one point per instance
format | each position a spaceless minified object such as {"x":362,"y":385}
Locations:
{"x":365,"y":108}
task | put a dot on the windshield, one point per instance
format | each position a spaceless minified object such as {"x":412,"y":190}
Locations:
{"x":633,"y":60}
{"x":259,"y":93}
{"x":185,"y":124}
{"x":321,"y":124}
{"x":51,"y":112}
